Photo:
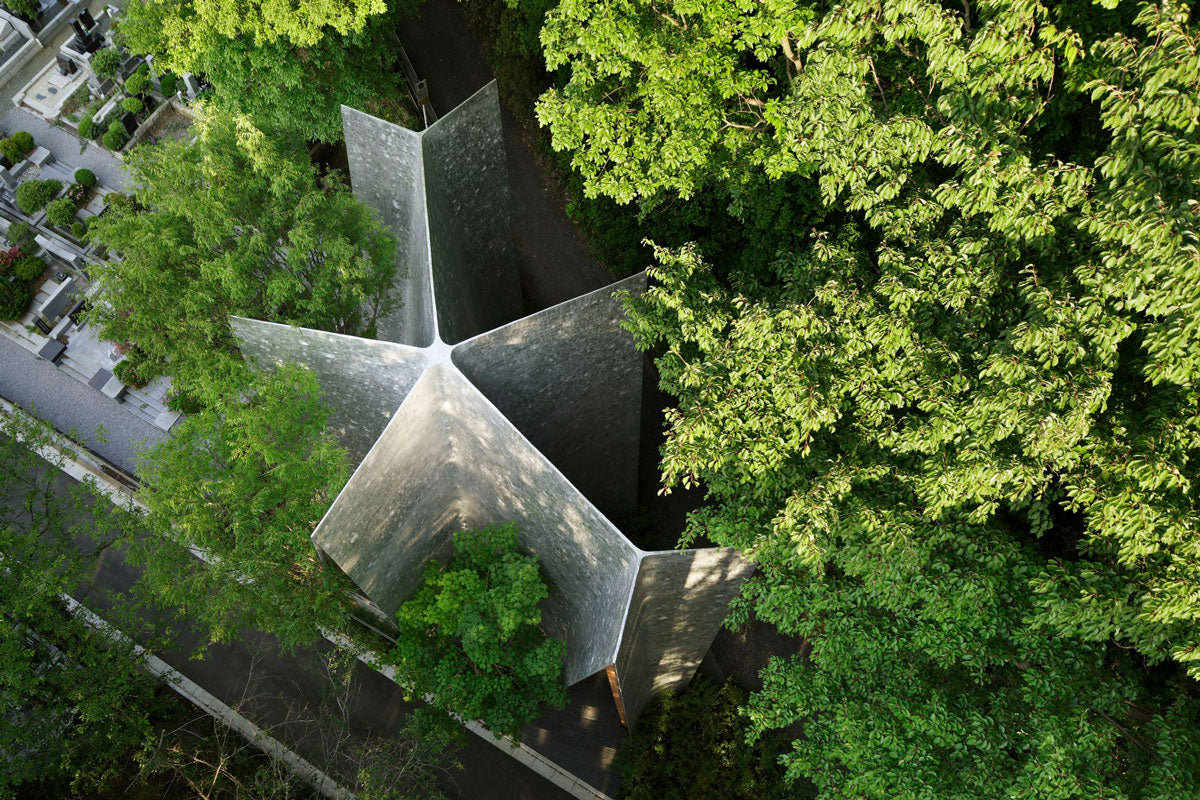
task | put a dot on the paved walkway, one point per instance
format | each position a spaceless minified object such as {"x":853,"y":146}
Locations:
{"x":72,"y":407}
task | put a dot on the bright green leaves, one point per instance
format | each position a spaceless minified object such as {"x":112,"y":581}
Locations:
{"x":471,"y":635}
{"x":246,"y":481}
{"x":235,"y":223}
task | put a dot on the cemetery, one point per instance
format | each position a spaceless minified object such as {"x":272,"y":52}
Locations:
{"x":45,"y":207}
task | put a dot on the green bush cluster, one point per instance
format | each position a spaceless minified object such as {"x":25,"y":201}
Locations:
{"x":26,"y":9}
{"x":79,"y":229}
{"x":29,"y":268}
{"x":16,"y":146}
{"x":136,"y":83}
{"x":107,"y":63}
{"x":32,"y":196}
{"x":15,"y":297}
{"x":168,"y":84}
{"x":20,"y":236}
{"x":116,"y":136}
{"x":61,"y":212}
{"x":87,"y":128}
{"x":135,"y":370}
{"x":85,"y":177}
{"x":133,"y":105}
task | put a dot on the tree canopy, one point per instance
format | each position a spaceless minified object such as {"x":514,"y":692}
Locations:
{"x":234,"y":223}
{"x":74,"y":701}
{"x":471,"y":635}
{"x":246,"y":481}
{"x":953,"y":418}
{"x":288,"y":67}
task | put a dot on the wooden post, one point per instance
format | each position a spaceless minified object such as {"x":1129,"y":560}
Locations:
{"x":615,"y":685}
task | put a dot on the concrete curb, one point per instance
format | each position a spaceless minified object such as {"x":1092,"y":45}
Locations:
{"x":196,"y":694}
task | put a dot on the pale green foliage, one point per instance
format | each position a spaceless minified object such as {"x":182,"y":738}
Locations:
{"x":246,"y":481}
{"x":235,"y":224}
{"x":471,"y":634}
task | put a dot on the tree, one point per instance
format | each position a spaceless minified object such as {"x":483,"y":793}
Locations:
{"x":246,"y":481}
{"x":471,"y":638}
{"x":287,"y":85}
{"x":74,"y":701}
{"x":955,"y":427}
{"x":234,"y":224}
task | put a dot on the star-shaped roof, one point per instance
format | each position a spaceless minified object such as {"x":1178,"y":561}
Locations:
{"x":466,"y":414}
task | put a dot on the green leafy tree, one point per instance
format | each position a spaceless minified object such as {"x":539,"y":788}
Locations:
{"x":75,"y":704}
{"x":234,"y":224}
{"x":246,"y":481}
{"x":956,"y":425}
{"x":288,"y":85}
{"x":471,"y":635}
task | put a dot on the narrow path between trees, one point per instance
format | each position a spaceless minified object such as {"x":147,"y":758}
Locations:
{"x":555,"y":263}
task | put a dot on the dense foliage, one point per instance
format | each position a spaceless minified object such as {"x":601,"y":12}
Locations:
{"x":948,"y":398}
{"x":692,"y":746}
{"x":246,"y":481}
{"x":234,"y":223}
{"x":471,"y":635}
{"x":290,"y":79}
{"x":74,"y":703}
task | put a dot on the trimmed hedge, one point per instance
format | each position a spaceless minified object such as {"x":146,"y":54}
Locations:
{"x":87,"y":128}
{"x":29,"y":268}
{"x":132,"y":105}
{"x":32,"y":196}
{"x":61,"y":212}
{"x":85,"y":177}
{"x":20,"y":235}
{"x":16,"y":146}
{"x":168,"y":84}
{"x":107,"y":62}
{"x":116,"y":136}
{"x":15,"y":297}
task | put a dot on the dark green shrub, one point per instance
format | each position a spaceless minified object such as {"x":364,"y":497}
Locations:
{"x":23,"y":141}
{"x":132,"y":105}
{"x":85,"y":178}
{"x":116,"y":136}
{"x":15,"y":297}
{"x":692,"y":746}
{"x":136,"y":83}
{"x":168,"y":84}
{"x":20,"y":235}
{"x":61,"y":212}
{"x":29,"y":268}
{"x":79,"y":229}
{"x":87,"y":128}
{"x":107,"y":62}
{"x":134,"y":370}
{"x":32,"y":196}
{"x":15,"y":147}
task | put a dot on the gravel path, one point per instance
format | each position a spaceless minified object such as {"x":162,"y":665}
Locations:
{"x":40,"y":388}
{"x":66,"y":147}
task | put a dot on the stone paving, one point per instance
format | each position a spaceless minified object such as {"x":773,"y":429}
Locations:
{"x":73,"y":407}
